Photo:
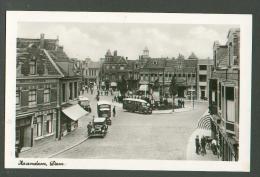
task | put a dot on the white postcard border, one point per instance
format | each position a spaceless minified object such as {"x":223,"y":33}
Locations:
{"x":245,"y":22}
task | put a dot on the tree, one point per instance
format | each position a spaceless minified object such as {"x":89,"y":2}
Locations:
{"x":156,"y":85}
{"x":173,"y":90}
{"x":123,"y":86}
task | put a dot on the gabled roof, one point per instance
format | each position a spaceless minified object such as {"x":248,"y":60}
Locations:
{"x":155,"y":63}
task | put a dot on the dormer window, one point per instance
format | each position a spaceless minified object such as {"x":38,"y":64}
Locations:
{"x":32,"y":67}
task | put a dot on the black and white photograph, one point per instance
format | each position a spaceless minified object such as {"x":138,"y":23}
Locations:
{"x":128,"y":91}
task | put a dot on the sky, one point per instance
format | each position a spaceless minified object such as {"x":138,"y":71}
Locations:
{"x":92,"y":40}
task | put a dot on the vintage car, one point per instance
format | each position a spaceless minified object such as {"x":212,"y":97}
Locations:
{"x":84,"y":103}
{"x":104,"y":110}
{"x":99,"y":128}
{"x":137,"y":105}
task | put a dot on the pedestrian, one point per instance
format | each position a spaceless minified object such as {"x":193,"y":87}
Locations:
{"x":83,"y":90}
{"x":89,"y":128}
{"x":183,"y":103}
{"x":214,"y":146}
{"x":203,"y":145}
{"x":197,"y":144}
{"x":114,"y":111}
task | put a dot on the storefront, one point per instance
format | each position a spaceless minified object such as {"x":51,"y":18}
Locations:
{"x":24,"y":131}
{"x":69,"y":118}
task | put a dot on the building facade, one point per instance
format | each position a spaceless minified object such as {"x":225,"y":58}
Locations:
{"x":204,"y":73}
{"x":37,"y":86}
{"x":113,"y":69}
{"x":47,"y":82}
{"x":224,"y":96}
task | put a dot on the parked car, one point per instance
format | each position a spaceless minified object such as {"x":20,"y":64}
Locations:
{"x":84,"y":103}
{"x":99,"y":128}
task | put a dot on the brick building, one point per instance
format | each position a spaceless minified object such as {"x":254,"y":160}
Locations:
{"x":45,"y":76}
{"x":37,"y":85}
{"x":224,"y":95}
{"x":113,"y":68}
{"x":162,"y":70}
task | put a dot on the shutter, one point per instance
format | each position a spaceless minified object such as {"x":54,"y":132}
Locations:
{"x":39,"y":96}
{"x":24,"y":98}
{"x":53,"y":95}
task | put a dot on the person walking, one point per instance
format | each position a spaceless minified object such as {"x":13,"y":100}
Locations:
{"x":114,"y":111}
{"x":203,"y":145}
{"x":89,"y":128}
{"x":197,"y":144}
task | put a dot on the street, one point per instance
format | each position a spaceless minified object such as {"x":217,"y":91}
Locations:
{"x":138,"y":136}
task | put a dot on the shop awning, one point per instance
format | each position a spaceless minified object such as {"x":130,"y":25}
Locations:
{"x":143,"y":88}
{"x":74,"y":112}
{"x":113,"y":84}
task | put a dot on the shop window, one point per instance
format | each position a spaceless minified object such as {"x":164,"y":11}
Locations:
{"x":32,"y":97}
{"x":32,"y":67}
{"x":46,"y":94}
{"x":49,"y":124}
{"x":39,"y":126}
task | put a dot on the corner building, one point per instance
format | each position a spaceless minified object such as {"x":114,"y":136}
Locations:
{"x":224,"y":96}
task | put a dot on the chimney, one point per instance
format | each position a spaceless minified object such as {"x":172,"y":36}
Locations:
{"x":42,"y":41}
{"x":115,"y":53}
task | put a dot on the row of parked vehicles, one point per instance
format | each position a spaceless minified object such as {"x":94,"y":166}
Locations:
{"x":100,"y":124}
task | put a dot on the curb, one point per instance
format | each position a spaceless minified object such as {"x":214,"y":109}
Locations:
{"x":66,"y":149}
{"x":163,"y":112}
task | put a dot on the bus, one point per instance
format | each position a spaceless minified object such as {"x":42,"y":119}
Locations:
{"x":137,"y":105}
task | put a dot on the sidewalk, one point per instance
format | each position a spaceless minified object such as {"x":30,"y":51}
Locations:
{"x":53,"y":147}
{"x":191,"y":149}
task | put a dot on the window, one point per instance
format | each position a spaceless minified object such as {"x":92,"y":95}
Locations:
{"x":179,"y":75}
{"x":122,"y":68}
{"x":39,"y":126}
{"x":170,"y":75}
{"x":63,"y":92}
{"x":75,"y":89}
{"x":107,"y":66}
{"x":49,"y":125}
{"x":230,"y":109}
{"x":18,"y":97}
{"x":46,"y":95}
{"x":71,"y":91}
{"x":32,"y":67}
{"x":193,"y":75}
{"x":202,"y":78}
{"x":203,"y":67}
{"x":113,"y":67}
{"x":32,"y":97}
{"x":189,"y":75}
{"x":183,"y":75}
